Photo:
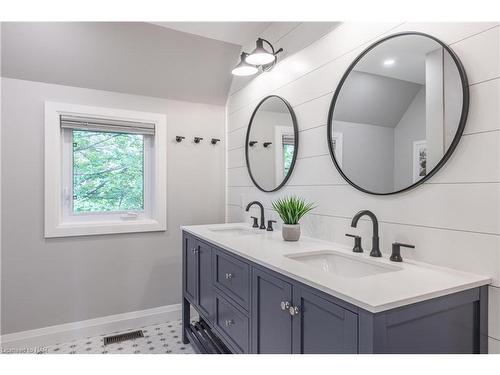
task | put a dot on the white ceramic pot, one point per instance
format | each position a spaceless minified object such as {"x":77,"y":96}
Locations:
{"x":290,"y":232}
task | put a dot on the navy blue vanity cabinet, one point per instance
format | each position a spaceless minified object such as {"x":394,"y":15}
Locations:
{"x":197,"y":275}
{"x":248,"y":308}
{"x":321,"y":326}
{"x":190,"y":267}
{"x":290,"y":318}
{"x":453,"y":324}
{"x":271,"y":319}
{"x":205,"y":288}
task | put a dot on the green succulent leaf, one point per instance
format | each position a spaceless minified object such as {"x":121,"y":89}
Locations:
{"x":291,"y":209}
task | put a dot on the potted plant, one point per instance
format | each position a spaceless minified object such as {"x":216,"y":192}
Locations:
{"x":291,"y":210}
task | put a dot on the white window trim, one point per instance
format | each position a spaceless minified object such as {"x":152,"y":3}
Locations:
{"x":55,"y":225}
{"x":279,"y":132}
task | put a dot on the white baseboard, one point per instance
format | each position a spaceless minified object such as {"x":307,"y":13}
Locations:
{"x":92,"y":327}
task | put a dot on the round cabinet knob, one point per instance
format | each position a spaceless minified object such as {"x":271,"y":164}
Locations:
{"x":229,"y":276}
{"x":293,"y":310}
{"x":229,"y":322}
{"x":285,"y":305}
{"x":194,"y":250}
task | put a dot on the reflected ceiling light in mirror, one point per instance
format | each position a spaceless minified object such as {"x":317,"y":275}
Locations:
{"x":262,"y":58}
{"x":389,"y":62}
{"x":243,"y":68}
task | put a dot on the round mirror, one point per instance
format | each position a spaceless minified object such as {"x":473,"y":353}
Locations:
{"x":271,"y":143}
{"x":398,"y":113}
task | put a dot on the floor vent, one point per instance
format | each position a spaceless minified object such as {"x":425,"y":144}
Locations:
{"x":123,"y":337}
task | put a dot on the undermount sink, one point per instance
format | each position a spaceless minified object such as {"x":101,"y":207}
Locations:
{"x":239,"y":231}
{"x":334,"y":262}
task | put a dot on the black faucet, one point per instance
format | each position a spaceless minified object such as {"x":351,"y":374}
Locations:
{"x":375,"y":240}
{"x":262,"y":220}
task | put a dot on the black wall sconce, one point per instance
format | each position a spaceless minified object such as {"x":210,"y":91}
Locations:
{"x":197,"y":139}
{"x":179,"y":138}
{"x":214,"y":141}
{"x":262,"y":58}
{"x":252,"y":143}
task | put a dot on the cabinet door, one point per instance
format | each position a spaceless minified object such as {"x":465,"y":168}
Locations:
{"x":205,"y":291}
{"x":271,"y":326}
{"x":190,"y":277}
{"x":322,"y":327}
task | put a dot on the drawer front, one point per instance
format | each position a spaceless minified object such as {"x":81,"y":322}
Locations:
{"x":233,"y":324}
{"x":232,"y":277}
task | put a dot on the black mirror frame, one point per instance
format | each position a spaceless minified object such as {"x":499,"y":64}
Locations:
{"x":295,"y":151}
{"x":456,"y":138}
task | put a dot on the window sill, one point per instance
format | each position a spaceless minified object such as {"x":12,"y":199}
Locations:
{"x":104,"y":227}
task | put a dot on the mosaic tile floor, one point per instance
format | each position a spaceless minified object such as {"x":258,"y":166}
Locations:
{"x":164,"y":338}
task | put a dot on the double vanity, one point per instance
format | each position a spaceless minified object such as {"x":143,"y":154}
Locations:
{"x":396,"y":116}
{"x":255,"y":293}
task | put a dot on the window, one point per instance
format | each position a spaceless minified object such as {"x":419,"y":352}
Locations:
{"x":288,"y":145}
{"x":105,"y":175}
{"x":284,"y":139}
{"x":108,"y":172}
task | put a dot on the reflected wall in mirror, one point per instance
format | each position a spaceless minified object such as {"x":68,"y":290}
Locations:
{"x":271,"y":143}
{"x":398,"y":113}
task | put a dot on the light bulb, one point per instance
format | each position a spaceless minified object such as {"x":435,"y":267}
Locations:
{"x":260,"y":56}
{"x":243,"y":68}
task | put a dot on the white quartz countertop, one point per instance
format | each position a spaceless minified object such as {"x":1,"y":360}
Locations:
{"x":408,"y":282}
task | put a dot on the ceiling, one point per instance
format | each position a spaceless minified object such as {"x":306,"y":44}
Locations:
{"x":408,"y":52}
{"x":231,"y":32}
{"x":128,"y":57}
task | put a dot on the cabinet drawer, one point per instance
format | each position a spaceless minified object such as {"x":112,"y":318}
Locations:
{"x":232,"y":323}
{"x":232,"y":277}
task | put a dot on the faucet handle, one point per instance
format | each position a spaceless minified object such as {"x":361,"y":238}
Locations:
{"x":396,"y":251}
{"x":357,"y":243}
{"x":255,"y":222}
{"x":270,"y":225}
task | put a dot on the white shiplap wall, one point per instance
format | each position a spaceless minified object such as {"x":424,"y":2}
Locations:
{"x":454,"y":220}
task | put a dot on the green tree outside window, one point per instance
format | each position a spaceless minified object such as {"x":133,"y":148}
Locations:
{"x":108,"y":172}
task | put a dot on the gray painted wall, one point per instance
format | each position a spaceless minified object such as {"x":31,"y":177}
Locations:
{"x":368,"y":154}
{"x":54,"y":281}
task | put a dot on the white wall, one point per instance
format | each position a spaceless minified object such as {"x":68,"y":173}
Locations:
{"x":453,"y":220}
{"x":411,"y":128}
{"x":54,"y":281}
